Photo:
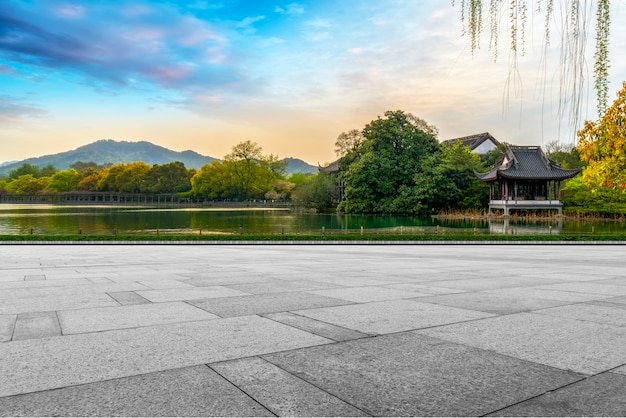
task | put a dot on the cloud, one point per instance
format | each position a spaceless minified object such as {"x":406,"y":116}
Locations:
{"x":12,"y":113}
{"x":163,"y":47}
{"x":292,"y":9}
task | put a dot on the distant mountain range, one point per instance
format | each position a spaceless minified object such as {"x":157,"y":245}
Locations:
{"x":109,"y":151}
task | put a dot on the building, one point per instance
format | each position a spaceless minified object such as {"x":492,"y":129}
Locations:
{"x":480,"y":143}
{"x":526,"y":179}
{"x":333,"y":170}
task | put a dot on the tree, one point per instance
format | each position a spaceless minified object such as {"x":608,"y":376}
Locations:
{"x":64,"y":181}
{"x":602,"y":148}
{"x":319,"y":192}
{"x":167,"y":178}
{"x":566,"y":155}
{"x":27,"y":184}
{"x":379,"y":175}
{"x":348,"y":142}
{"x":25,"y":169}
{"x":574,"y":20}
{"x":211,"y":181}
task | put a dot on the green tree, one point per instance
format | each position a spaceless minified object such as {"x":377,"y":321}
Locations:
{"x":379,"y":175}
{"x":64,"y":181}
{"x":211,"y":181}
{"x":459,"y":165}
{"x":348,"y":142}
{"x":25,"y":169}
{"x":167,"y":178}
{"x":27,"y":184}
{"x":318,"y":192}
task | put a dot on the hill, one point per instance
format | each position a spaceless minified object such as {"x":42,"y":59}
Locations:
{"x":109,"y":151}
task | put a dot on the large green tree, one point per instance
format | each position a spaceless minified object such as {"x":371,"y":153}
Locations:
{"x":380,"y":173}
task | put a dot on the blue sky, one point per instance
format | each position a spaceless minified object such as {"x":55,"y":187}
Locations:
{"x":291,"y":76}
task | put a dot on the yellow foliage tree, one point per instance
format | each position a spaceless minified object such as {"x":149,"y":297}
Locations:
{"x":602,"y":147}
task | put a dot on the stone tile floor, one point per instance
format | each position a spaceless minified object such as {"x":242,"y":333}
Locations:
{"x":312,"y":330}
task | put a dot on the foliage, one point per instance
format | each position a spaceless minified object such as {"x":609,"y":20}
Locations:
{"x":27,"y":184}
{"x":25,"y":169}
{"x":380,"y":174}
{"x":166,"y":178}
{"x":319,"y":192}
{"x":244,"y":174}
{"x":64,"y":181}
{"x":574,"y":21}
{"x":348,"y":142}
{"x":566,"y":155}
{"x":602,"y":148}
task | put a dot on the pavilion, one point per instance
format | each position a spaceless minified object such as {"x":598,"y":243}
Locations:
{"x":526,"y":179}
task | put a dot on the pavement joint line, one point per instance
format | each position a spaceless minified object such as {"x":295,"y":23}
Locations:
{"x":366,"y":335}
{"x":316,"y":386}
{"x":240,"y":389}
{"x":541,"y":394}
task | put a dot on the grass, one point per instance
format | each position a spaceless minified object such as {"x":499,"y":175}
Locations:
{"x":311,"y":237}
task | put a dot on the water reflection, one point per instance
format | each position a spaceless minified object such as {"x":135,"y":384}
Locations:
{"x":51,"y":219}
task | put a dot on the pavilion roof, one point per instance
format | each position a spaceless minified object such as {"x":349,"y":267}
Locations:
{"x":330,"y":168}
{"x":527,"y":163}
{"x":473,"y":141}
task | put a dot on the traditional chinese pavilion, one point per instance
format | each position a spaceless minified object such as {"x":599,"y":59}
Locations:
{"x":526,"y":179}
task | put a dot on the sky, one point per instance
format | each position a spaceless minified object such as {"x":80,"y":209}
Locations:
{"x":288,"y":75}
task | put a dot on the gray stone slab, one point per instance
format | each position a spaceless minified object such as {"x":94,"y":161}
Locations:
{"x":409,"y":375}
{"x":128,"y":298}
{"x":589,"y":312}
{"x":620,"y":370}
{"x":581,"y":346}
{"x":323,"y":329}
{"x":588,"y":288}
{"x":79,"y":321}
{"x":618,"y":281}
{"x":601,"y":395}
{"x":32,"y":277}
{"x":196,"y":293}
{"x":491,"y":303}
{"x":499,"y":282}
{"x":391,"y":316}
{"x":203,"y":281}
{"x":424,"y":288}
{"x":549,"y":294}
{"x":278,"y":286}
{"x":36,"y":325}
{"x":56,"y":302}
{"x":266,"y":303}
{"x":363,"y":294}
{"x":282,"y":393}
{"x":35,"y":365}
{"x":165,"y":283}
{"x":193,"y":391}
{"x":7,"y":324}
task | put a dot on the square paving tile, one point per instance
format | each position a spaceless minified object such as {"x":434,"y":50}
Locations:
{"x":601,"y":395}
{"x":391,"y":316}
{"x":280,"y":392}
{"x":364,"y":294}
{"x":546,"y":294}
{"x":265,"y":303}
{"x":49,"y":363}
{"x":128,"y":298}
{"x":79,"y":321}
{"x":411,"y":375}
{"x":36,"y":325}
{"x":193,"y":391}
{"x":581,"y":346}
{"x":491,"y":303}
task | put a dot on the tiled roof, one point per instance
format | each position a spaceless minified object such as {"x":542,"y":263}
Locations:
{"x":529,"y":163}
{"x":473,"y":141}
{"x":330,"y":168}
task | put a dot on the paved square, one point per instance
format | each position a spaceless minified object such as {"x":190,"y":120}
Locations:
{"x":312,"y":330}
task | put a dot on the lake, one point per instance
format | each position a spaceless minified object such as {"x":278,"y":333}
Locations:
{"x":106,"y":219}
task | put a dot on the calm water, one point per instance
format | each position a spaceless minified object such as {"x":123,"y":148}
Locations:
{"x":51,"y":219}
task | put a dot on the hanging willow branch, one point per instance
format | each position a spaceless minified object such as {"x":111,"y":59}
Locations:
{"x":575,"y":21}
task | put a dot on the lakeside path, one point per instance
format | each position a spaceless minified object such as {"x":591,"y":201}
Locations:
{"x":308,"y":330}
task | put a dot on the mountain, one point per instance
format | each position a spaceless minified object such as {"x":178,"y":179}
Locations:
{"x":296,"y":165}
{"x":109,"y":151}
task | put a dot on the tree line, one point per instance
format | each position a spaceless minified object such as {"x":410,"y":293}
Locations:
{"x":245,"y":173}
